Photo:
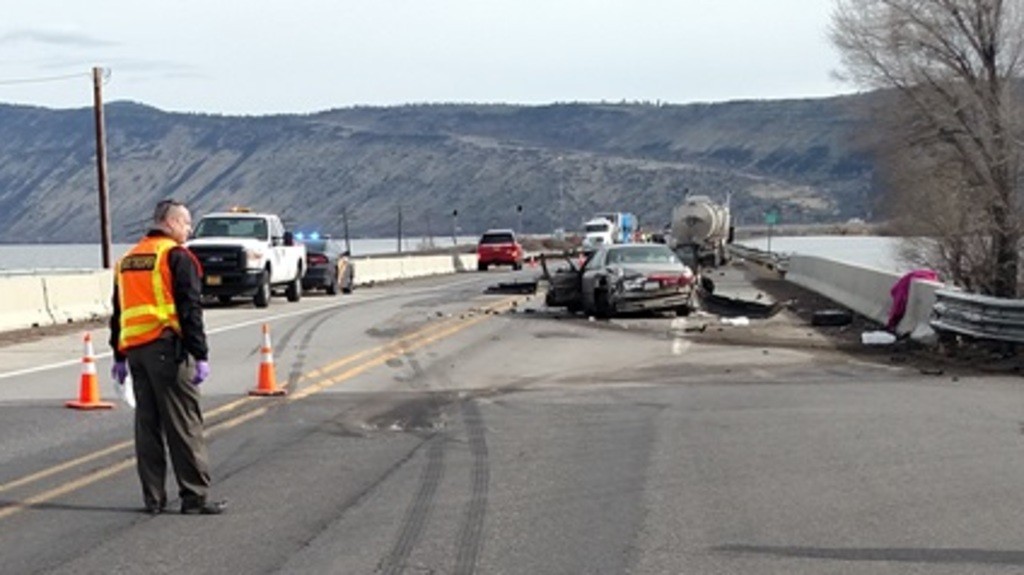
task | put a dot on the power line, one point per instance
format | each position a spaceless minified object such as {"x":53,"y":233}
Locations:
{"x":43,"y":79}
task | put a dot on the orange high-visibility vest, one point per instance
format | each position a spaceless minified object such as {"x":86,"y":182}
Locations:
{"x":143,"y":279}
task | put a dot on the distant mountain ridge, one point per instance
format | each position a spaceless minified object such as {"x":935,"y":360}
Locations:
{"x":560,"y":162}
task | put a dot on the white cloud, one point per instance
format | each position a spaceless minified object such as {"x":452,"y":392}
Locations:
{"x":234,"y":56}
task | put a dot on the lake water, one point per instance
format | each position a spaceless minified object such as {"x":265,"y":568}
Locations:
{"x":18,"y":257}
{"x":871,"y":251}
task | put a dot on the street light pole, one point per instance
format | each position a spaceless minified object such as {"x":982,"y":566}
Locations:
{"x":455,"y":226}
{"x":519,"y":212}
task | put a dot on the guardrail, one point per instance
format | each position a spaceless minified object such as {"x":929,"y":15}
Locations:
{"x":772,"y":260}
{"x":978,"y":316}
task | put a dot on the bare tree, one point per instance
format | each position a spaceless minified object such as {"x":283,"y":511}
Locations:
{"x":955,"y":149}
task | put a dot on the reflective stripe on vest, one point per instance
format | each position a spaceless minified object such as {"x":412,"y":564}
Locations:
{"x":144,"y":292}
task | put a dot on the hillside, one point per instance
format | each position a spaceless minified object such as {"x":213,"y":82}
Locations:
{"x":560,"y":162}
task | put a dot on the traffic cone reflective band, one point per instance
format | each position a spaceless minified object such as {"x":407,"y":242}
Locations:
{"x":89,"y":387}
{"x":266,"y":383}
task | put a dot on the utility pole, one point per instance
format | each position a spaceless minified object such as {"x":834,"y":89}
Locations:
{"x":399,"y":228}
{"x":344,"y":221}
{"x":101,"y":163}
{"x":561,"y":194}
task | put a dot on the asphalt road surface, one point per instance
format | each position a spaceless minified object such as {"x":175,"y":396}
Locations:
{"x":433,"y":428}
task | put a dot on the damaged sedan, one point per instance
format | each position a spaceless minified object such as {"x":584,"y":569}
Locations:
{"x":623,"y":278}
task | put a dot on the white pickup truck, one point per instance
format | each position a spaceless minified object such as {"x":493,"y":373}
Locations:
{"x":248,"y":254}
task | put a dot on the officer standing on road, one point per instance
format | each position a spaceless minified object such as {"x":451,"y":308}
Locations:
{"x":157,"y":326}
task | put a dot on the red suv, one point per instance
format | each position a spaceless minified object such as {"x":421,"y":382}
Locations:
{"x":499,"y":247}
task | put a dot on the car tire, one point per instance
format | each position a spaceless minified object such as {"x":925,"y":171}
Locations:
{"x":481,"y":267}
{"x":262,"y":297}
{"x":224,"y":299}
{"x":603,"y":307}
{"x":294,"y":291}
{"x":517,"y":266}
{"x":332,"y":284}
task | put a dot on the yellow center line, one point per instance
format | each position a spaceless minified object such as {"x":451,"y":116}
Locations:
{"x":65,"y":466}
{"x":68,"y":487}
{"x":398,"y":347}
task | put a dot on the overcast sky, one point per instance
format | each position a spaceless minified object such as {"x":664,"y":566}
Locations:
{"x":285,"y":56}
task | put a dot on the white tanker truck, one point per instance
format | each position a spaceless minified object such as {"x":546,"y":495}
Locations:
{"x":700,"y":230}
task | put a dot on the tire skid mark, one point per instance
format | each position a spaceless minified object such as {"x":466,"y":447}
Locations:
{"x":419,"y":509}
{"x":296,"y":368}
{"x":245,"y":410}
{"x":356,"y":499}
{"x":471,"y":533}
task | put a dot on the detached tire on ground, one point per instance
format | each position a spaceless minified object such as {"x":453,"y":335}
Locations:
{"x":832,"y":317}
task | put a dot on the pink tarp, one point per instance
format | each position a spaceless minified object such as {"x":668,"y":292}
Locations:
{"x":900,"y":293}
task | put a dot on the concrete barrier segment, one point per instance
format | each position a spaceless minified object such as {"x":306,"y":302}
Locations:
{"x":23,"y":304}
{"x":919,"y":310}
{"x":371,"y":270}
{"x":78,"y":296}
{"x":861,"y":289}
{"x":867,"y":291}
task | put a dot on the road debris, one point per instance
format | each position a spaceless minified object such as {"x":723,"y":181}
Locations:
{"x":517,"y":287}
{"x":878,"y":337}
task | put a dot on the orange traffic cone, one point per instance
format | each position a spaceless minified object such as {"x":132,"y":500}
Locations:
{"x":267,"y":380}
{"x":89,"y":388}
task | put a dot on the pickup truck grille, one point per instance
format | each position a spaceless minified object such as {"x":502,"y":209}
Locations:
{"x":217,"y":259}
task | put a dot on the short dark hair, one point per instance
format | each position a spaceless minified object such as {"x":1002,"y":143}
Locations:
{"x":163,"y":207}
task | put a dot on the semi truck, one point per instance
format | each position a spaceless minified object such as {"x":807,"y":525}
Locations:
{"x":700,"y":230}
{"x":609,"y":228}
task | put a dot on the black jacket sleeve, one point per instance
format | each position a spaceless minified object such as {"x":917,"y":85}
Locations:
{"x":187,"y":287}
{"x":115,"y":325}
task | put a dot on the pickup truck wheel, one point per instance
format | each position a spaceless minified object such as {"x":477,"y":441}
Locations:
{"x":262,"y":297}
{"x":224,"y":299}
{"x":294,"y":292}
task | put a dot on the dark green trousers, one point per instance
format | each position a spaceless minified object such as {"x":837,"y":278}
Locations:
{"x":167,"y":406}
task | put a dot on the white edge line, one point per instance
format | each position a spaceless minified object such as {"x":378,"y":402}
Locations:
{"x":247,"y":323}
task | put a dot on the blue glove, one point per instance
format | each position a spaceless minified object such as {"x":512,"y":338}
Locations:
{"x":202,"y":372}
{"x":119,"y":371}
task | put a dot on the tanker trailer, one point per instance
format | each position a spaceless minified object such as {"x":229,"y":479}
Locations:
{"x":700,"y":230}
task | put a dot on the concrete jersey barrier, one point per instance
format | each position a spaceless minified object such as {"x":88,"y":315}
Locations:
{"x":38,"y":300}
{"x":79,"y":297}
{"x":372,"y":270}
{"x":24,"y":302}
{"x":866,"y":291}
